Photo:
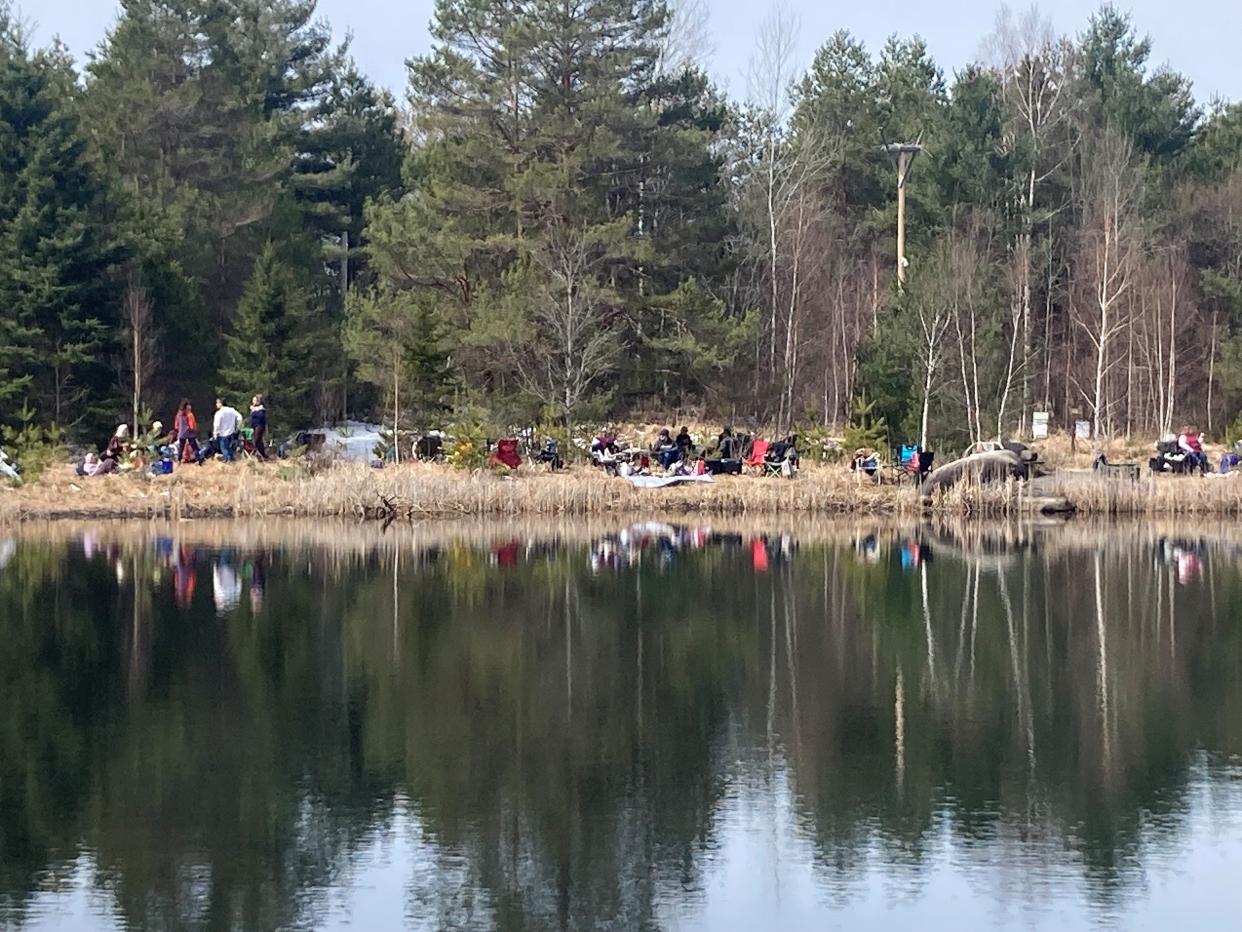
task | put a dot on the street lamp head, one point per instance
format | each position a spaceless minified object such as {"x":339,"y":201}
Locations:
{"x":898,"y":148}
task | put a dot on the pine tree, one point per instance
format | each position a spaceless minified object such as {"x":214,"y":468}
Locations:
{"x":59,"y":314}
{"x":197,"y":106}
{"x":398,"y":345}
{"x":271,"y":348}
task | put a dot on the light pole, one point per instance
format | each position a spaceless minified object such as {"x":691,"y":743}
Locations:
{"x":902,"y":154}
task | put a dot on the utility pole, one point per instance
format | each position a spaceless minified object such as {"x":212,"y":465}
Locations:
{"x":902,"y":154}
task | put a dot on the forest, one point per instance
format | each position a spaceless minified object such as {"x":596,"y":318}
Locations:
{"x":566,"y":221}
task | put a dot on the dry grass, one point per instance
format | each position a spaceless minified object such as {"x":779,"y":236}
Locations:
{"x":250,"y":490}
{"x":432,"y":491}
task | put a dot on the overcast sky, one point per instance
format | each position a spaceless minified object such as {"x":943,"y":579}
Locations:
{"x":1200,"y":38}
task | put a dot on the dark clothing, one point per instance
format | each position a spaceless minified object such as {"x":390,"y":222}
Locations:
{"x":684,"y":443}
{"x":258,"y":424}
{"x":668,"y":455}
{"x":228,"y":447}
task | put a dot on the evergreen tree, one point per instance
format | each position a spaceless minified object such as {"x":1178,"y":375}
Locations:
{"x":197,"y":106}
{"x":271,"y":350}
{"x":397,"y":342}
{"x":59,"y":319}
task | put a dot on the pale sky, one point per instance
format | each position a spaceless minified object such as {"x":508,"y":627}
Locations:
{"x":1199,"y":38}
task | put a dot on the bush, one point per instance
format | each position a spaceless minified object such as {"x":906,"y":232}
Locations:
{"x":468,"y":448}
{"x":865,"y":428}
{"x":1233,"y":433}
{"x":32,"y":448}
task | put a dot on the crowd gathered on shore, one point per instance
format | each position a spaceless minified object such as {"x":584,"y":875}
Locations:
{"x":671,"y":457}
{"x":158,"y":449}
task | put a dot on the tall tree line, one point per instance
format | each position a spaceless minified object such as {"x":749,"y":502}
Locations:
{"x":566,"y":221}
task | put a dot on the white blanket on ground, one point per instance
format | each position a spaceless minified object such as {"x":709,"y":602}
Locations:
{"x":660,"y":482}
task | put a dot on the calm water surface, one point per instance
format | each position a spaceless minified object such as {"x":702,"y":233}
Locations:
{"x":642,"y":728}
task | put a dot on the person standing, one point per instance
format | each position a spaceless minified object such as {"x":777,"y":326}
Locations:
{"x":258,"y":424}
{"x":185,"y":431}
{"x":224,"y":428}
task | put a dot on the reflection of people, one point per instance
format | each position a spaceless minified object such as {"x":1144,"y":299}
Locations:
{"x":258,"y":583}
{"x":185,"y":577}
{"x":225,"y":585}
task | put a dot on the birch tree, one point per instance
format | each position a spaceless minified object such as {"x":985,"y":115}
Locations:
{"x":1112,"y":186}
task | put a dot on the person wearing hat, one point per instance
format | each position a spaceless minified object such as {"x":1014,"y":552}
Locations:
{"x":112,"y":454}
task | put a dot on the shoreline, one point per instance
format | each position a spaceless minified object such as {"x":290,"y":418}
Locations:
{"x":421,"y":491}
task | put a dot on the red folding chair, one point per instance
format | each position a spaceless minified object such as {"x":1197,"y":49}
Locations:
{"x":758,"y":455}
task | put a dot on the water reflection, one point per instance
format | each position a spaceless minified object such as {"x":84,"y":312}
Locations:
{"x":639,"y":727}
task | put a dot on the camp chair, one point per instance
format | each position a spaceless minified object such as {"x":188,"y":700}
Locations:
{"x":758,"y":456}
{"x":506,"y":453}
{"x":551,"y":455}
{"x":913,"y":461}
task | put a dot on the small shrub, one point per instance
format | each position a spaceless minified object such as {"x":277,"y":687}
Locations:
{"x":31,"y":448}
{"x":468,"y":448}
{"x":865,"y":428}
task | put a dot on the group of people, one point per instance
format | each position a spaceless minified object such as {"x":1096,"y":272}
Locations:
{"x":159,"y":448}
{"x":227,"y":432}
{"x":680,"y":456}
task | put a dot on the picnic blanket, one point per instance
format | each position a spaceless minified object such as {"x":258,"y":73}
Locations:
{"x":660,"y":482}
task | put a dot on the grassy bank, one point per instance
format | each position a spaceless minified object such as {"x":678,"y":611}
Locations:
{"x":415,"y":491}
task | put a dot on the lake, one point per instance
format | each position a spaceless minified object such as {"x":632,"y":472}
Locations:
{"x":612,"y":726}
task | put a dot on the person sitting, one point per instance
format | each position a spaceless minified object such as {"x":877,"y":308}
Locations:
{"x":1190,"y":442}
{"x":117,"y":446}
{"x":665,"y":448}
{"x":728,"y":446}
{"x":865,"y":460}
{"x":110,"y":459}
{"x":605,"y":453}
{"x":551,"y":454}
{"x":1231,"y":460}
{"x":782,"y":450}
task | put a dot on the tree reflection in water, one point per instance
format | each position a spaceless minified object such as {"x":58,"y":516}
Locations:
{"x":573,"y":729}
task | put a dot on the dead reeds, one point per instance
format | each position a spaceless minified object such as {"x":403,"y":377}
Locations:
{"x":418,"y":491}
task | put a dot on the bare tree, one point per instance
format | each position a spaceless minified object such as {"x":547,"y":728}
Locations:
{"x":571,"y":343}
{"x":1031,"y":63}
{"x":142,"y":358}
{"x":686,"y":40}
{"x":1112,"y":181}
{"x":772,"y":70}
{"x":944,"y":291}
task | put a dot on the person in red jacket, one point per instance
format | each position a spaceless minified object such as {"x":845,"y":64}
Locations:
{"x":185,"y":431}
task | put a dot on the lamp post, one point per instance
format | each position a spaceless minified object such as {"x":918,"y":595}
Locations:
{"x":902,"y":154}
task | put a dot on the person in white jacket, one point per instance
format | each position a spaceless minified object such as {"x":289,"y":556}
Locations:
{"x":224,"y":428}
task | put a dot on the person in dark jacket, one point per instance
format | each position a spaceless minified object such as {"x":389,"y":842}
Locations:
{"x":258,"y":424}
{"x":665,"y":449}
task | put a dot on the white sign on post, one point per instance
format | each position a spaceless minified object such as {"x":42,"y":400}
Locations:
{"x":1082,"y":430}
{"x":1039,"y":425}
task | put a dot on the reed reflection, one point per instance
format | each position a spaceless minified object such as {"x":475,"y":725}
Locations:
{"x":568,"y":722}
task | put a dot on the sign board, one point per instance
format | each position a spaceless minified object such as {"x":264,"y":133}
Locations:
{"x":1039,"y":425}
{"x":1082,"y":430}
